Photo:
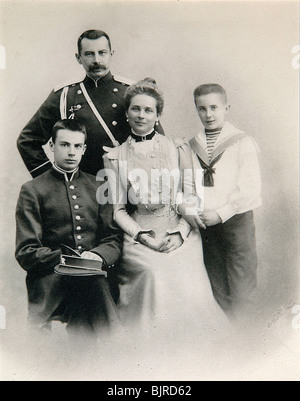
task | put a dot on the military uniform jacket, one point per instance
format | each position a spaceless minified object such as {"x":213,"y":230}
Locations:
{"x":107,"y":94}
{"x":53,"y":211}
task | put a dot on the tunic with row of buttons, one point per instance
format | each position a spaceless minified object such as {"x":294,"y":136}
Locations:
{"x":79,"y":106}
{"x":77,"y":218}
{"x":107,"y":94}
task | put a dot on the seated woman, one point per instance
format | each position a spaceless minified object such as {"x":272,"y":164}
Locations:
{"x":163,"y":278}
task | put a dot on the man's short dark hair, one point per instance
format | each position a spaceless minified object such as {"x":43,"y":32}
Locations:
{"x":92,"y":34}
{"x":71,"y":125}
{"x":207,"y":89}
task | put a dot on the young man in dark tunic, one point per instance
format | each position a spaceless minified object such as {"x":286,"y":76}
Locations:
{"x":60,"y":208}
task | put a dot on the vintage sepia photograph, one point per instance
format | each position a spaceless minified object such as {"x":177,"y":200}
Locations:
{"x":150,"y":192}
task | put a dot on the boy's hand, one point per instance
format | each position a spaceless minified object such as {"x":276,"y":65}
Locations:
{"x":211,"y":218}
{"x":192,"y":216}
{"x":195,"y":221}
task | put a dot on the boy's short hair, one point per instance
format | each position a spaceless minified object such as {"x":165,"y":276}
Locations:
{"x":71,"y":125}
{"x":207,"y":89}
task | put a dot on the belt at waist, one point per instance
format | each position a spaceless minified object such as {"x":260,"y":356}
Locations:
{"x":164,"y":211}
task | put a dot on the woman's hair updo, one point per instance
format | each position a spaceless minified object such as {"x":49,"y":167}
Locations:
{"x":145,"y":87}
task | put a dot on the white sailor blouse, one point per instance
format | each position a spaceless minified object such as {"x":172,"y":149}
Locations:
{"x":229,"y":183}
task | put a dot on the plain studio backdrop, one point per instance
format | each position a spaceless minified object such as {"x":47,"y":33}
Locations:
{"x":244,"y":46}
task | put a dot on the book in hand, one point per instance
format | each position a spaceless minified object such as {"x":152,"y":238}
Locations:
{"x":79,"y":267}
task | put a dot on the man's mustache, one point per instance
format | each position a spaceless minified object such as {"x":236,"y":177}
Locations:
{"x":97,"y":67}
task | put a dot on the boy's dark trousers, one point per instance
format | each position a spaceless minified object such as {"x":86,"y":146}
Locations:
{"x":84,"y":303}
{"x":231,"y":262}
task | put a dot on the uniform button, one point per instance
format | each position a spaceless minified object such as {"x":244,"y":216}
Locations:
{"x":74,"y":197}
{"x":114,"y":106}
{"x":79,"y":237}
{"x":78,"y":218}
{"x":114,"y":123}
{"x":76,"y":207}
{"x":79,"y":92}
{"x":72,"y":187}
{"x":78,"y":228}
{"x":79,"y":248}
{"x":116,"y":90}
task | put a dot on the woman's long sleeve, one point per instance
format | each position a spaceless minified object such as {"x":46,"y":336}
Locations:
{"x":118,"y":187}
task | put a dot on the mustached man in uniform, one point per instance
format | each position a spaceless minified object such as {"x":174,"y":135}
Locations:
{"x":97,"y":101}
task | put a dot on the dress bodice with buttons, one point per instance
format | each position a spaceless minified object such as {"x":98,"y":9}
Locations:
{"x":149,"y":166}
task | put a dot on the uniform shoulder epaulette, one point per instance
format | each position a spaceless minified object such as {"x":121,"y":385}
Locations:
{"x":124,"y":81}
{"x":68,"y":83}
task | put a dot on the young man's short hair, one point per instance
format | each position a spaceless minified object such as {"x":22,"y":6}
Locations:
{"x":207,"y":89}
{"x":71,"y":125}
{"x":92,"y":34}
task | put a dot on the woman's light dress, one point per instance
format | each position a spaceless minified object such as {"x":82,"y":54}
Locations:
{"x":158,"y":289}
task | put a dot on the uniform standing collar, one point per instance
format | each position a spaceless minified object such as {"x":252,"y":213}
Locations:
{"x":96,"y":83}
{"x":62,"y":174}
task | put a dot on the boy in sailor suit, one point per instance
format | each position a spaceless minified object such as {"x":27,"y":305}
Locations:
{"x":60,"y":208}
{"x":228,"y":190}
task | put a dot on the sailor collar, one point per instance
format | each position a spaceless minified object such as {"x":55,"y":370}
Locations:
{"x":227,"y":132}
{"x":228,"y":137}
